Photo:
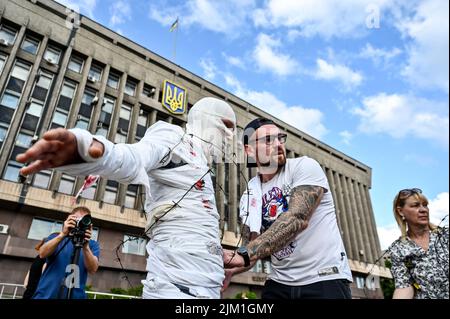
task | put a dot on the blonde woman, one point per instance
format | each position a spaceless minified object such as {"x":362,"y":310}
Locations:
{"x":420,"y":256}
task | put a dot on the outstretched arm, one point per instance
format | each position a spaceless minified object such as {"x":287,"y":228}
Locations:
{"x":57,"y":147}
{"x":303,"y":202}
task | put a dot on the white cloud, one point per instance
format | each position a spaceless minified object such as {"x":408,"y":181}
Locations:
{"x":81,"y":6}
{"x":234,"y":61}
{"x":428,"y":61}
{"x":388,"y":234}
{"x":209,"y":69}
{"x":439,"y":209}
{"x":220,"y":16}
{"x":326,"y":18}
{"x":377,"y":55}
{"x":269,"y":59}
{"x":337,"y":72}
{"x":120,"y":12}
{"x":404,"y":115}
{"x":305,"y":119}
{"x":346,"y":137}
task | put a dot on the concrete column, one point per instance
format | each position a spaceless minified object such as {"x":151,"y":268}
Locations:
{"x":350,"y":219}
{"x":333,"y":191}
{"x":56,"y":176}
{"x":356,"y":219}
{"x":153,"y":116}
{"x":122,"y":190}
{"x":343,"y":214}
{"x":373,"y":226}
{"x":116,"y":112}
{"x":170,"y":120}
{"x":290,"y":154}
{"x":365,"y":234}
{"x":10,"y":61}
{"x":14,"y":126}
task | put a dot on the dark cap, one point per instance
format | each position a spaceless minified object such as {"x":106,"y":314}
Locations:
{"x":251,"y":127}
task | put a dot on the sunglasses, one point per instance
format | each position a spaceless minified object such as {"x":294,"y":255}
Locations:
{"x":270,"y":139}
{"x":410,"y":191}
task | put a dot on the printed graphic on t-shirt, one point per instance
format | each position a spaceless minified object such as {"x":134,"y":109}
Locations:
{"x":274,"y":203}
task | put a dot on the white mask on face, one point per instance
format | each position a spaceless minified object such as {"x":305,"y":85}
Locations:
{"x":205,"y":122}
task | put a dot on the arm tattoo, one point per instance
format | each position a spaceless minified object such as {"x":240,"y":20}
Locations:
{"x":303,"y":202}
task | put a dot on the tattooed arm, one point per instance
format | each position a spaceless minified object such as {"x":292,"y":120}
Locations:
{"x":303,"y":202}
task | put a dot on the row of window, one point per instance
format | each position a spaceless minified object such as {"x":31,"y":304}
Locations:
{"x":41,"y":228}
{"x":53,"y":54}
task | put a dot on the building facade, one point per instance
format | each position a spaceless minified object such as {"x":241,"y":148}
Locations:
{"x":59,"y":69}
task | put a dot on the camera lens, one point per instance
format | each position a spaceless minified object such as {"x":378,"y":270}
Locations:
{"x":84,"y":222}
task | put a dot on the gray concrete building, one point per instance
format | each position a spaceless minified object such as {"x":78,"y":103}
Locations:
{"x":59,"y":69}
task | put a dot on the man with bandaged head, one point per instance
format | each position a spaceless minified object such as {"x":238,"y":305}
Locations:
{"x":184,"y":250}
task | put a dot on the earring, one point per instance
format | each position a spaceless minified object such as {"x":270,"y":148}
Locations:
{"x":403,"y":217}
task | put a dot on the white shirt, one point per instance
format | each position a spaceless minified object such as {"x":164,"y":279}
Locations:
{"x":317,"y":253}
{"x":185,"y":246}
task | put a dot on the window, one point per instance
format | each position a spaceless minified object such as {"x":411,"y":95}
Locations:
{"x":130,"y":88}
{"x":24,"y":140}
{"x":7,"y":35}
{"x":66,"y":184}
{"x":89,"y":193}
{"x":82,"y":122}
{"x":52,"y":55}
{"x":35,"y":108}
{"x":120,"y":137}
{"x":41,"y":228}
{"x":12,"y":171}
{"x":45,"y":80}
{"x":360,"y":282}
{"x":75,"y":64}
{"x":60,"y":118}
{"x":125,"y":112}
{"x":42,"y":179}
{"x":110,"y":192}
{"x":130,"y":197}
{"x":95,"y":73}
{"x":10,"y":100}
{"x":148,"y":90}
{"x":3,"y":131}
{"x":30,"y":45}
{"x":20,"y":71}
{"x":2,"y":61}
{"x":113,"y":80}
{"x":267,"y":266}
{"x":134,"y":245}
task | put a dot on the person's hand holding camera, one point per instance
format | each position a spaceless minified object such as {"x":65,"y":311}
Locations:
{"x":69,"y":224}
{"x":87,"y":236}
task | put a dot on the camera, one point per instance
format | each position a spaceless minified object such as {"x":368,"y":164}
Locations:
{"x":78,"y":232}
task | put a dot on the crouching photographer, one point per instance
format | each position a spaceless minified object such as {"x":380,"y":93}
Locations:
{"x":70,"y":256}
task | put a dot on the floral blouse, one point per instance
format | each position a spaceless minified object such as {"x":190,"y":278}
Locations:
{"x":426,"y":271}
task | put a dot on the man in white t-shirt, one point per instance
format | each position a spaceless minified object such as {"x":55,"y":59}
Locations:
{"x":184,"y":250}
{"x":289,"y":214}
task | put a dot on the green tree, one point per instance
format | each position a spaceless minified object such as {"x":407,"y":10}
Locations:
{"x":387,"y":284}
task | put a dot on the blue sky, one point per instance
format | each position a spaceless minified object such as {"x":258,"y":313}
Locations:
{"x":367,"y":77}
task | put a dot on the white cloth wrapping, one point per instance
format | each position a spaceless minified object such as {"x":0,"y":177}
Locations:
{"x":185,"y":245}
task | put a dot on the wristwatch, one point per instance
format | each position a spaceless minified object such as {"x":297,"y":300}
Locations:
{"x":242,"y":251}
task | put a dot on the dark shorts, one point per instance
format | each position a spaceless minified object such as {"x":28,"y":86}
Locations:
{"x":329,"y":289}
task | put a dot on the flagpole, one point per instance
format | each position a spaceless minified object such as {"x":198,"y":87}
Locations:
{"x":175,"y":42}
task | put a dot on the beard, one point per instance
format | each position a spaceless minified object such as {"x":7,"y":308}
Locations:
{"x":280,"y":161}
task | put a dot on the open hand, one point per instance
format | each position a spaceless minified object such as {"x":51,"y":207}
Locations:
{"x":58,"y":147}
